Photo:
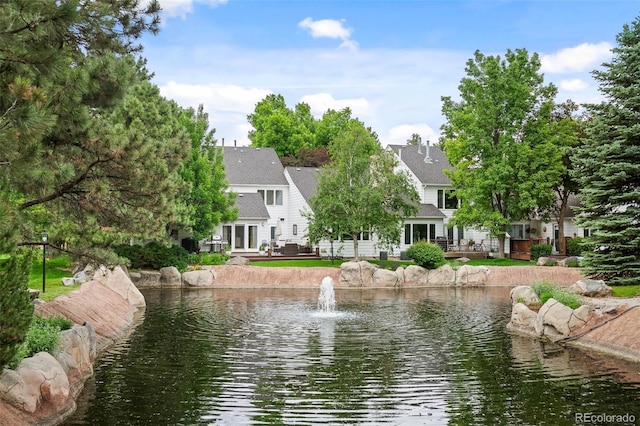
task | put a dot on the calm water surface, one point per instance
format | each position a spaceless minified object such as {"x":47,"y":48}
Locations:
{"x":409,"y":357}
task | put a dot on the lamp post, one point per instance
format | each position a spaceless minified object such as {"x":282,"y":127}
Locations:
{"x":44,"y":256}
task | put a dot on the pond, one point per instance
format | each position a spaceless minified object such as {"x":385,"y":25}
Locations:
{"x":397,"y":357}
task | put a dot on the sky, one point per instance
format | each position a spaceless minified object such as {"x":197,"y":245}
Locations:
{"x":389,"y":61}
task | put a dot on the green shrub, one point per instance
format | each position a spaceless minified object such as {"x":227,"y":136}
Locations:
{"x":154,"y":256}
{"x":42,"y":336}
{"x":540,"y":250}
{"x":546,"y":290}
{"x":427,"y":255}
{"x":205,"y":258}
{"x":572,"y":263}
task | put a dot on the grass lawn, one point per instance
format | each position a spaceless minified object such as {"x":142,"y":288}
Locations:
{"x":56,"y":269}
{"x":626,"y":290}
{"x":305,"y":263}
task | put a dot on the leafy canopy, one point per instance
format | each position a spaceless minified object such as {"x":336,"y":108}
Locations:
{"x":503,"y":165}
{"x":359,"y":192}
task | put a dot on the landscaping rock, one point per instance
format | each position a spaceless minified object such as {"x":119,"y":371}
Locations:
{"x":238,"y":260}
{"x":199,"y":278}
{"x":170,"y":277}
{"x":118,"y":280}
{"x":523,"y":294}
{"x":591,"y":288}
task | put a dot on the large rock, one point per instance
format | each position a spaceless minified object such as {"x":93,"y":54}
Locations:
{"x":118,"y":280}
{"x":468,"y":275}
{"x":350,"y":274}
{"x":416,"y":276}
{"x":523,"y":294}
{"x":444,"y":275}
{"x":591,"y":288}
{"x":522,"y":317}
{"x":199,"y":278}
{"x":556,"y":320}
{"x":75,"y":352}
{"x":146,"y":279}
{"x":238,"y":260}
{"x":170,"y":277}
{"x":38,"y":380}
{"x":385,"y":278}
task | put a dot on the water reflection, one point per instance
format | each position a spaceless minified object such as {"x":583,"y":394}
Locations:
{"x":419,"y":356}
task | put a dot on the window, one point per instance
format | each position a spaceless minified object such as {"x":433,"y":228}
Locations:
{"x":273,"y":232}
{"x":239,"y":237}
{"x":253,"y":236}
{"x":226,"y":235}
{"x":407,"y":234}
{"x":272,"y":197}
{"x":519,"y":231}
{"x":450,"y":200}
{"x":441,"y":198}
{"x":295,"y":229}
{"x":419,"y":232}
{"x":432,"y":232}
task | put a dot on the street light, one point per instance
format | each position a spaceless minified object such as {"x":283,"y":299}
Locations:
{"x":44,"y":256}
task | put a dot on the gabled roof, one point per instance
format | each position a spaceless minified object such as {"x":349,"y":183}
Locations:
{"x":251,"y":206}
{"x":305,"y":179}
{"x":429,"y":211}
{"x":253,"y":166}
{"x":428,"y":174}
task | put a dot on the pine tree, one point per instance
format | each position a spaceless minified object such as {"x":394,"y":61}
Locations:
{"x":607,"y":167}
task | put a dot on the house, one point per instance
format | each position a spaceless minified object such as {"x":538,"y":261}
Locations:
{"x":271,"y":201}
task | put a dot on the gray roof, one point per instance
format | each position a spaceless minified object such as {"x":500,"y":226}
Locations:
{"x":253,"y":166}
{"x":251,"y":206}
{"x":428,"y":211}
{"x":305,"y":179}
{"x":429,"y":174}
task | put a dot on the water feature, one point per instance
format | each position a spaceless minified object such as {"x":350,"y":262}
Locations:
{"x":327,"y":297}
{"x":409,"y":357}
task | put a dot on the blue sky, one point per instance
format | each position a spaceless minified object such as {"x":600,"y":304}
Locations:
{"x":389,"y":61}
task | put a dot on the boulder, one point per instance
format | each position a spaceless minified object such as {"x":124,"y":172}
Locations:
{"x":563,"y":262}
{"x":350,"y":274}
{"x":238,"y":260}
{"x":118,"y":280}
{"x":522,"y":317}
{"x":591,"y":288}
{"x":523,"y":294}
{"x":416,"y":276}
{"x":367,"y":270}
{"x":444,"y":275}
{"x":147,"y":279}
{"x":546,"y":261}
{"x":38,"y":380}
{"x":468,"y":275}
{"x":76,"y":351}
{"x":199,"y":278}
{"x":385,"y":278}
{"x":400,"y":276}
{"x":554,"y":320}
{"x":170,"y":277}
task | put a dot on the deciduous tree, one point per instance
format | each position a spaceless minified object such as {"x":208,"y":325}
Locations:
{"x":503,"y":168}
{"x":359,"y":192}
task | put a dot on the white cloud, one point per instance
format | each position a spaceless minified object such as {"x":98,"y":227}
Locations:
{"x":220,"y":97}
{"x":398,"y":135}
{"x":584,"y":57}
{"x":330,"y":28}
{"x":321,"y":102}
{"x":180,"y":8}
{"x":573,"y":85}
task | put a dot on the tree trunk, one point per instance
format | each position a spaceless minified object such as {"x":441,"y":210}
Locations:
{"x":501,"y":241}
{"x":355,"y":248}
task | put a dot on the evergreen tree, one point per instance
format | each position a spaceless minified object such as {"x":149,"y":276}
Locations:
{"x":607,"y":167}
